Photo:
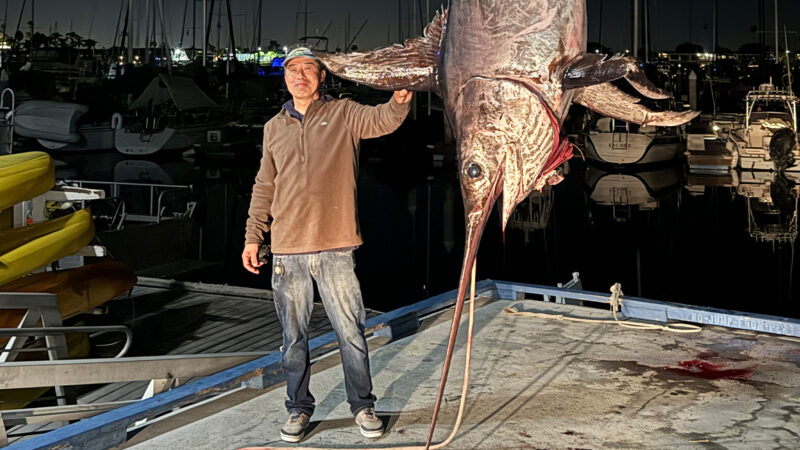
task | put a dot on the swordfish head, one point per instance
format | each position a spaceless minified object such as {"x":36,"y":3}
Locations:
{"x":502,"y":68}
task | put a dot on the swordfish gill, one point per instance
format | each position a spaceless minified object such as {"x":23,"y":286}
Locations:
{"x":507,"y":71}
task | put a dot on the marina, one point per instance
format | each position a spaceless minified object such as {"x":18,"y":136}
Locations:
{"x":627,"y":193}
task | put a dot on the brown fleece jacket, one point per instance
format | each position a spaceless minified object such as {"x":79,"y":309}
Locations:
{"x":305,"y":189}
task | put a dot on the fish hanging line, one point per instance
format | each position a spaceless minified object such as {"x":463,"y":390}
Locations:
{"x":461,"y":405}
{"x":616,"y":301}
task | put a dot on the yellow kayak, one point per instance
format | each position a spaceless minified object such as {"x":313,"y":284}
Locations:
{"x":24,"y":176}
{"x":27,"y":248}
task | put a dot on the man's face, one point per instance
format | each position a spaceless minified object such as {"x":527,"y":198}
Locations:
{"x":303,"y":77}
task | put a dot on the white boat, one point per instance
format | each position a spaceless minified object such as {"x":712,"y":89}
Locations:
{"x":56,"y":126}
{"x":50,"y":120}
{"x":767,"y":110}
{"x":620,"y":143}
{"x":172,"y":113}
{"x":707,"y":151}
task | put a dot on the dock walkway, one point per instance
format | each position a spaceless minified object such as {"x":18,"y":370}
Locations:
{"x":546,"y":383}
{"x":177,"y":318}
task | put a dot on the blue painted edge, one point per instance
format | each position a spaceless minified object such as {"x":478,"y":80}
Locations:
{"x":114,"y":422}
{"x":661,"y":311}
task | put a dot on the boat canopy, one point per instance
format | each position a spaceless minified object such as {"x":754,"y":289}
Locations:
{"x":183,"y":92}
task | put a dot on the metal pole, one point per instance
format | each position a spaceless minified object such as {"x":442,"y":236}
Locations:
{"x":205,"y":40}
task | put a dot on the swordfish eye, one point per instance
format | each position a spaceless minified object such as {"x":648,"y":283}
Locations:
{"x":474,"y":171}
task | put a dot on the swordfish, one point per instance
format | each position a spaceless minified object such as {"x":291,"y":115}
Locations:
{"x":507,"y":71}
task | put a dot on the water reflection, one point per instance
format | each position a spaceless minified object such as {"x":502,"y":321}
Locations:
{"x":690,"y":245}
{"x":624,"y":194}
{"x":772,"y":202}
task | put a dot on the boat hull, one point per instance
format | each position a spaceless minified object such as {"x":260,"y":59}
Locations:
{"x":622,"y":149}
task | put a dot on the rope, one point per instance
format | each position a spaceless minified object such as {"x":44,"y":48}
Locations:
{"x":615,"y":302}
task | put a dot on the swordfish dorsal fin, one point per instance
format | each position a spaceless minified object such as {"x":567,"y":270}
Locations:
{"x":610,"y":101}
{"x":592,"y":68}
{"x":413,"y":65}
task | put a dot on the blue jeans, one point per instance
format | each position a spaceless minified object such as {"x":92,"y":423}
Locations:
{"x":338,"y":286}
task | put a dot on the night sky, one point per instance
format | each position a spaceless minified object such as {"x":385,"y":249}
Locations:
{"x":670,"y":20}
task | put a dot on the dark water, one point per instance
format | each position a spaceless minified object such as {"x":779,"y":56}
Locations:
{"x":667,"y":236}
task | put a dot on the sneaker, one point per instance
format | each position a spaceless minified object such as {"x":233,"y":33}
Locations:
{"x":371,"y":426}
{"x":295,"y":427}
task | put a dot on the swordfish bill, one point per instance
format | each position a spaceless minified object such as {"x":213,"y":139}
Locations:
{"x":507,"y":71}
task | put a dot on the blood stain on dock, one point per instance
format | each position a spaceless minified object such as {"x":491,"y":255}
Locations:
{"x":702,"y":369}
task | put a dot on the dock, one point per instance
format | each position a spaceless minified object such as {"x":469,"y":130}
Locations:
{"x":535,"y":382}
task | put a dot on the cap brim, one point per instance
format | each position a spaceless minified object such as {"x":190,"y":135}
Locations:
{"x":286,"y":61}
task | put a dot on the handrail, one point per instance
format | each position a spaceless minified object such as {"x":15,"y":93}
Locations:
{"x":53,"y":331}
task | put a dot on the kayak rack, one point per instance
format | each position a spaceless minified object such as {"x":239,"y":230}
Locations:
{"x":162,"y":372}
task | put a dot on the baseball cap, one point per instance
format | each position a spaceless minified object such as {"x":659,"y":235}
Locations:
{"x":298,"y":52}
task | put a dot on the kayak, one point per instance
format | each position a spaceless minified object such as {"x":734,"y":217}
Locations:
{"x":25,"y":249}
{"x":24,"y":176}
{"x":79,"y":290}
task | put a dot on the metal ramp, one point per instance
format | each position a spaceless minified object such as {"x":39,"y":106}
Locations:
{"x":237,"y":326}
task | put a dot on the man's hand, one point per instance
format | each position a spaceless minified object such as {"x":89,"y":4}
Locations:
{"x":250,"y":258}
{"x":402,"y":96}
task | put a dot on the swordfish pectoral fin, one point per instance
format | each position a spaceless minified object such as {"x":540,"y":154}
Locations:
{"x":591,"y":69}
{"x":413,"y":65}
{"x":609,"y":101}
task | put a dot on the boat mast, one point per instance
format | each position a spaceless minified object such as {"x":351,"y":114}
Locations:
{"x":776,"y":32}
{"x":129,"y":26}
{"x":207,"y":18}
{"x":600,"y":28}
{"x":399,"y":21}
{"x":788,"y":66}
{"x":635,"y":28}
{"x":646,"y":31}
{"x":205,"y":32}
{"x":232,"y":40}
{"x":183,"y":22}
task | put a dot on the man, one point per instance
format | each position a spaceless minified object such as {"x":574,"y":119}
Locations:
{"x":305,"y":196}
